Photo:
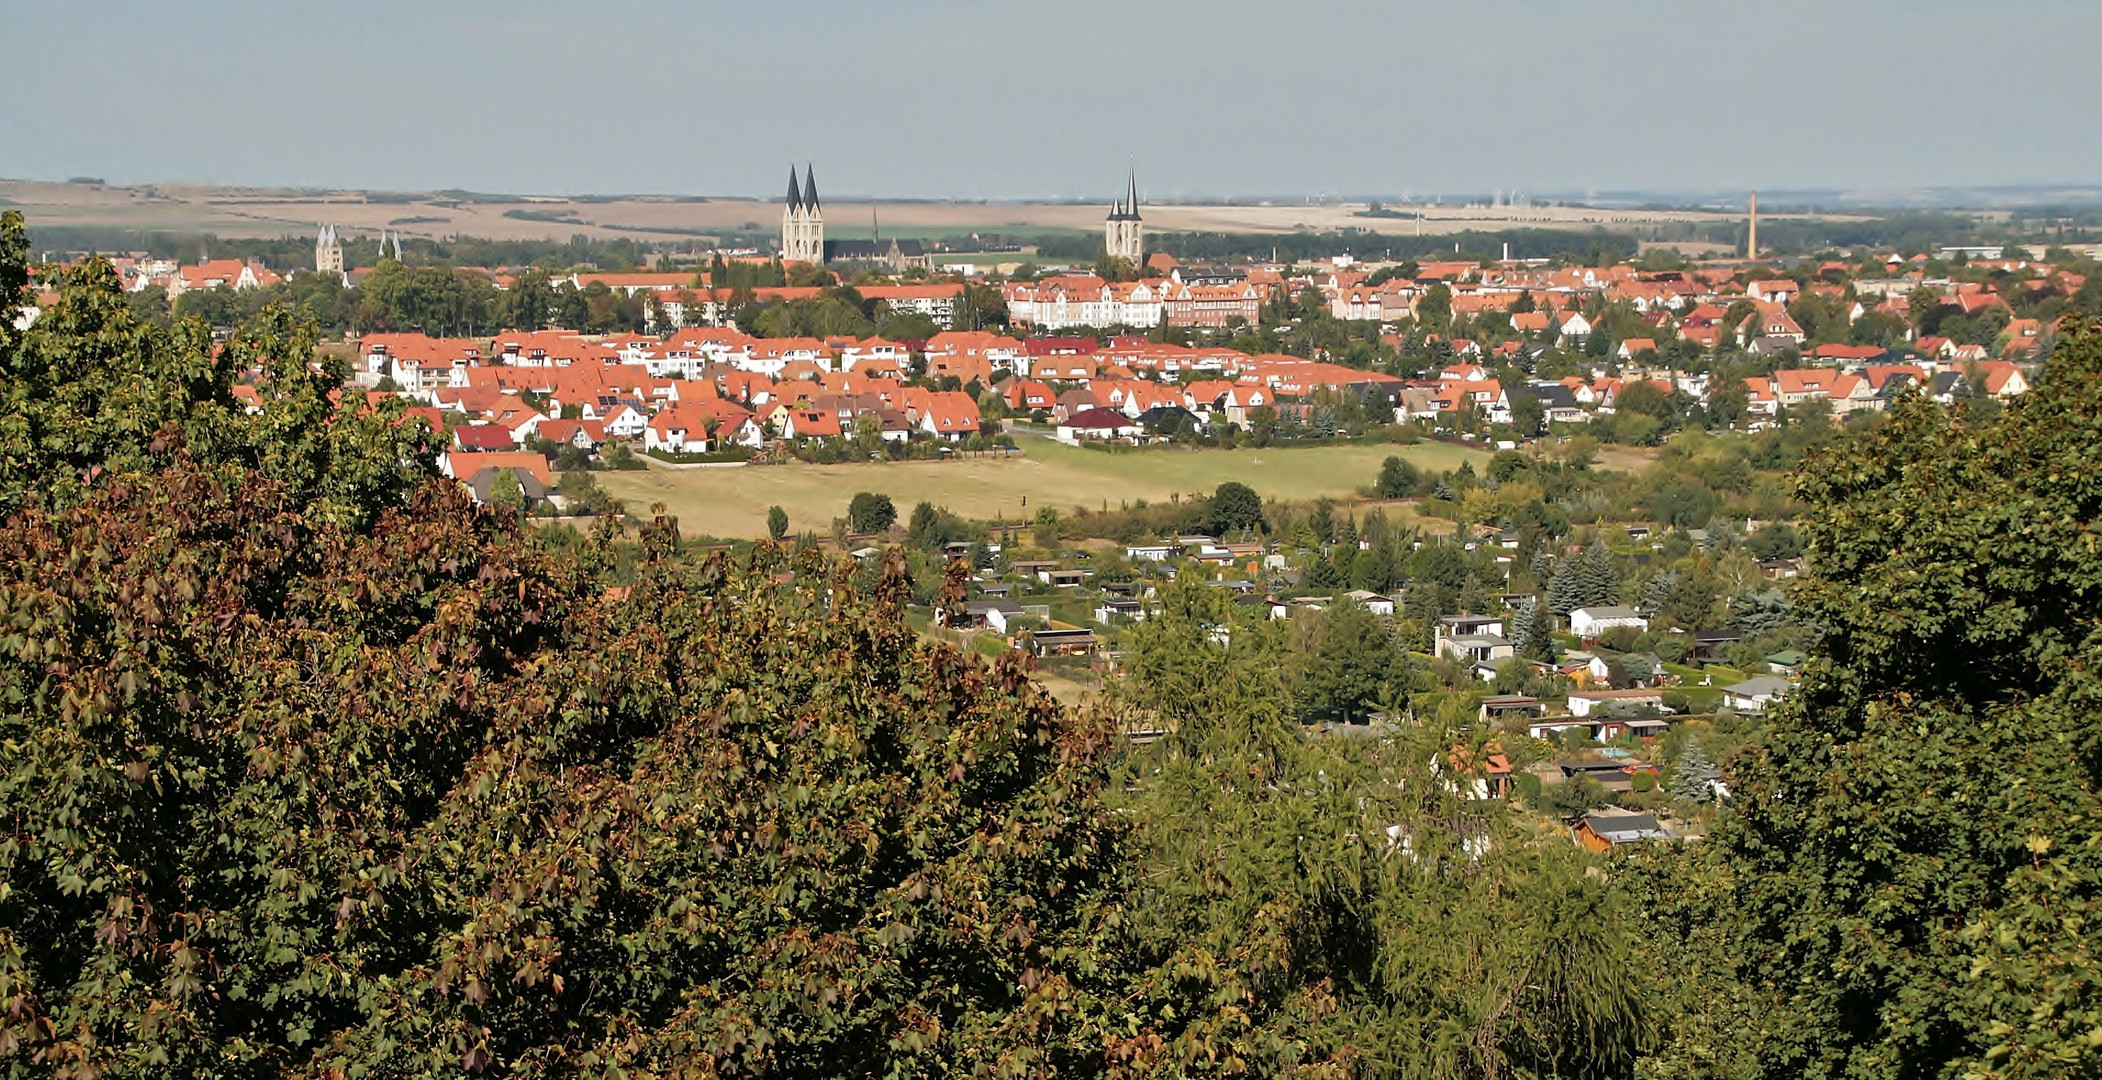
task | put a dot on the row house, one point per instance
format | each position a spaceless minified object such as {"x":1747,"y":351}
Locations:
{"x":1215,"y":306}
{"x":935,"y":301}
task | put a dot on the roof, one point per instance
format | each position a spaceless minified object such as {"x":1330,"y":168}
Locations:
{"x":1625,"y":828}
{"x":1760,"y":685}
{"x":1098,"y":417}
{"x":466,"y":465}
{"x":1614,"y":611}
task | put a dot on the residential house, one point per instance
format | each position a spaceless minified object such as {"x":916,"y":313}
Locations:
{"x":1589,"y":622}
{"x":1753,"y":695}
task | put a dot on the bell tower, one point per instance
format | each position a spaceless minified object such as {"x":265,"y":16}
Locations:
{"x":1122,"y":233}
{"x":803,"y":221}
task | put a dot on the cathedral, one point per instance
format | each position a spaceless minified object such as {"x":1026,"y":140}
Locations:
{"x":328,"y":252}
{"x":803,"y":235}
{"x":1122,"y":232}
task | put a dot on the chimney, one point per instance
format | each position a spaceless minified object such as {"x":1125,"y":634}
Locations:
{"x":1751,"y":245}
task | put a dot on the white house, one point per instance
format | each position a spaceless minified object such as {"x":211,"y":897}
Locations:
{"x":1586,"y":702}
{"x":1374,"y":602}
{"x":1590,"y":622}
{"x":1756,"y":693}
{"x":1113,"y":610}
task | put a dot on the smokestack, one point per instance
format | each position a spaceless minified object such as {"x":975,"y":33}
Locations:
{"x":1751,"y":246}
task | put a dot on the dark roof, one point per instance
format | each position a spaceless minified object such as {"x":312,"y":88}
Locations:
{"x":871,"y":250}
{"x":1154,"y":416}
{"x":1098,"y":417}
{"x":810,"y":187}
{"x":1549,"y":395}
{"x":795,"y":195}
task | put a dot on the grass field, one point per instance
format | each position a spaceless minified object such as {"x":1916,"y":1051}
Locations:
{"x":733,"y":502}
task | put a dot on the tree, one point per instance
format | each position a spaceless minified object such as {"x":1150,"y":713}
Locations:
{"x":1693,"y":776}
{"x":1528,"y":415}
{"x":1307,"y":906}
{"x":1532,"y":632}
{"x":776,"y":523}
{"x":1235,"y":506}
{"x":1346,"y":665}
{"x":313,"y":775}
{"x":1397,"y":479}
{"x":1434,"y":309}
{"x":1914,"y":889}
{"x":1322,"y":522}
{"x":506,"y":493}
{"x":1586,"y":581}
{"x":869,"y":512}
{"x":91,"y":390}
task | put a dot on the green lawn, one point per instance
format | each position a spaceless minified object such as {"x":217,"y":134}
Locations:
{"x":733,"y":502}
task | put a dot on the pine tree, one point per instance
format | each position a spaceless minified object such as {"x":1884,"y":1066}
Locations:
{"x":1531,"y":631}
{"x":1693,"y":777}
{"x":1562,"y":588}
{"x":1599,"y":581}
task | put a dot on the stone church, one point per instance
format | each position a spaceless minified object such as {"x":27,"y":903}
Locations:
{"x":803,"y":235}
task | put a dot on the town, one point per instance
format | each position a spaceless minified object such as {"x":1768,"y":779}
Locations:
{"x":1587,"y":644}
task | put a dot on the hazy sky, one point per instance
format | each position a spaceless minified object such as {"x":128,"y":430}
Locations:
{"x":985,"y":98}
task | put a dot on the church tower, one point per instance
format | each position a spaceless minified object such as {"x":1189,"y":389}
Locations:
{"x":1122,"y":233}
{"x":803,"y":221}
{"x":328,"y":252}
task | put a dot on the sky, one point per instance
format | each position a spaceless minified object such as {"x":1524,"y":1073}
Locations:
{"x":997,"y":100}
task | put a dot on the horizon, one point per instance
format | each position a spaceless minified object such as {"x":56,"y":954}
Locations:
{"x":932,"y":100}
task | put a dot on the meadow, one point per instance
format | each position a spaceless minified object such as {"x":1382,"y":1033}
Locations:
{"x":732,"y":503}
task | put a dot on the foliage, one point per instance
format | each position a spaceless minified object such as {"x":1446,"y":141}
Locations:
{"x":91,"y":390}
{"x":1589,"y":580}
{"x":776,"y":523}
{"x":1324,"y":907}
{"x":1915,"y":857}
{"x":868,"y":512}
{"x":313,"y":768}
{"x":1235,"y":506}
{"x":1397,"y":479}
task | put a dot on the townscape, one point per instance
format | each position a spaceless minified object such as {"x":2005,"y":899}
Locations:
{"x":1603,"y":648}
{"x":953,"y":626}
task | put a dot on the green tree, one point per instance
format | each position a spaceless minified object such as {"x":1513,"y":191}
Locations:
{"x":1528,"y":415}
{"x":1235,"y":506}
{"x":776,"y":523}
{"x":1397,"y":479}
{"x":1693,"y":776}
{"x":1320,"y":906}
{"x":1914,"y":879}
{"x":1346,"y":665}
{"x":868,"y":512}
{"x":92,"y":391}
{"x":506,"y":493}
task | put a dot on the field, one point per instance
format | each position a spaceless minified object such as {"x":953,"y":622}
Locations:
{"x":733,"y":502}
{"x":259,"y":212}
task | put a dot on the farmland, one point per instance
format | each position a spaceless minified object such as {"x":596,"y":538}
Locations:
{"x":733,"y":502}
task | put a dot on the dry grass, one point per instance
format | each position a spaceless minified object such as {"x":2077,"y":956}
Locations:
{"x":733,"y":502}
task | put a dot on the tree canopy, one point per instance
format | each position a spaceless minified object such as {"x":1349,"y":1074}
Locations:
{"x":1915,"y":861}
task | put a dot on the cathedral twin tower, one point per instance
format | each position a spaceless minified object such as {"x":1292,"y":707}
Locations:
{"x":803,"y":223}
{"x":1123,"y":234}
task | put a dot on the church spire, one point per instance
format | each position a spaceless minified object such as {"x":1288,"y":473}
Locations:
{"x":810,"y":186}
{"x":1131,"y":203}
{"x":795,"y":198}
